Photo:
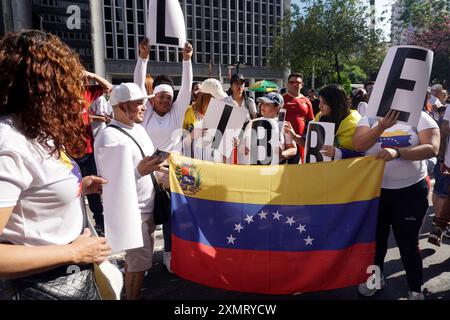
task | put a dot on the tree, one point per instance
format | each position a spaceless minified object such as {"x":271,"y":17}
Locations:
{"x":324,"y":36}
{"x":428,"y":25}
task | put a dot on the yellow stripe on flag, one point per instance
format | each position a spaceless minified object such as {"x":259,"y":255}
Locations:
{"x":357,"y":179}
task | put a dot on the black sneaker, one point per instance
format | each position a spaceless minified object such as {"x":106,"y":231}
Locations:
{"x":435,"y":236}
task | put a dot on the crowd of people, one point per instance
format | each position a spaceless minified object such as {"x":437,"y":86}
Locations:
{"x":55,"y":116}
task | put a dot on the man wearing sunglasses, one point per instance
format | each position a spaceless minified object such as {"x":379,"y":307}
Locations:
{"x":299,"y":111}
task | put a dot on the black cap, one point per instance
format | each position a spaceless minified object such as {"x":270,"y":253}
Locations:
{"x":236,"y":77}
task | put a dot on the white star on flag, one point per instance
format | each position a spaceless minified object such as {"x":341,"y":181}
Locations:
{"x":290,"y":221}
{"x":231,"y":239}
{"x":238,"y":228}
{"x":301,"y":228}
{"x":249,"y":219}
{"x":308,"y":241}
{"x":276,"y":216}
{"x":263,"y":215}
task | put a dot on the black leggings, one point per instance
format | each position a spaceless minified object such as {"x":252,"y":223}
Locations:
{"x":403,"y":209}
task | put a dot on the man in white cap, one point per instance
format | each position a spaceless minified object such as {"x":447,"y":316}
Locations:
{"x":164,"y":117}
{"x":128,"y":102}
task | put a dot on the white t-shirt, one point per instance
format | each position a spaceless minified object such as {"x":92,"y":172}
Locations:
{"x":99,"y":107}
{"x":400,"y":173}
{"x":166,"y":131}
{"x":251,"y":105}
{"x":362,"y":108}
{"x":447,"y":150}
{"x":110,"y":137}
{"x":44,"y":191}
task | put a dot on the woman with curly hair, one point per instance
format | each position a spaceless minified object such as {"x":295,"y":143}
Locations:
{"x":41,"y":100}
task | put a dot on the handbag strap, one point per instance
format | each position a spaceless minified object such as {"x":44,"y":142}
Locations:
{"x":82,"y":196}
{"x":155,"y":183}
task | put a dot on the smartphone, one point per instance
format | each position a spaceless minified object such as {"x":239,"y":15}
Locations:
{"x":282,"y":115}
{"x":162,"y":155}
{"x":281,"y":119}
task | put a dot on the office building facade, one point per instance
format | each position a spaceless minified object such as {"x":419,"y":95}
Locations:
{"x":398,"y":30}
{"x":223,"y":33}
{"x":51,"y":16}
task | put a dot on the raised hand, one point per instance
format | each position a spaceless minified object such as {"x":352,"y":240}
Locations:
{"x":187,"y":51}
{"x":144,"y":48}
{"x":389,"y":119}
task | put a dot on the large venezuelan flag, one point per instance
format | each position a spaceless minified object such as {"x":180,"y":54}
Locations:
{"x":274,"y":229}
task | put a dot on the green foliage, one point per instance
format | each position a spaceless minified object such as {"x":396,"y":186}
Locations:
{"x":355,"y":73}
{"x":428,"y":22}
{"x":423,"y":13}
{"x":326,"y":35}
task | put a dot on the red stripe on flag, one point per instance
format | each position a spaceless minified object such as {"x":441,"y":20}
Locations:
{"x":271,"y":272}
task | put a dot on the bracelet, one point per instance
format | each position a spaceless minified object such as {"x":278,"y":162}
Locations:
{"x":398,"y":153}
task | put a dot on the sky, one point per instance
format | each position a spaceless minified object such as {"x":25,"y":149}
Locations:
{"x":382,"y":8}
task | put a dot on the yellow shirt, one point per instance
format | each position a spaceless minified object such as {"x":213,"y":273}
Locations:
{"x":344,"y":134}
{"x":189,"y":119}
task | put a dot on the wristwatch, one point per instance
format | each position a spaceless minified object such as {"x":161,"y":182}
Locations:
{"x":397,"y":156}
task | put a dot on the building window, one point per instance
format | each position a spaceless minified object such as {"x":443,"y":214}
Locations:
{"x":120,"y":54}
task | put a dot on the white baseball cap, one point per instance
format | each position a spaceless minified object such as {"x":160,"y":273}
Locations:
{"x":214,"y":88}
{"x":126,"y":92}
{"x":437,"y":87}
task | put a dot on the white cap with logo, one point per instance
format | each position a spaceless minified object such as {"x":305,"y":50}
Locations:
{"x":126,"y":92}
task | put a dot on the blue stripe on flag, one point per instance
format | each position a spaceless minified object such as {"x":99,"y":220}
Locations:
{"x":274,"y":227}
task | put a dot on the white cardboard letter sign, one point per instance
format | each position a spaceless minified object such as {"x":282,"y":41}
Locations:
{"x":165,"y":23}
{"x":402,"y":83}
{"x":319,"y":134}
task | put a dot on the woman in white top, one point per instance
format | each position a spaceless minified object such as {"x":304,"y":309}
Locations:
{"x":41,"y":217}
{"x":403,"y":199}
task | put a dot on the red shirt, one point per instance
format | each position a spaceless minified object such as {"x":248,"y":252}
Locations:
{"x":91,"y":94}
{"x":299,"y":111}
